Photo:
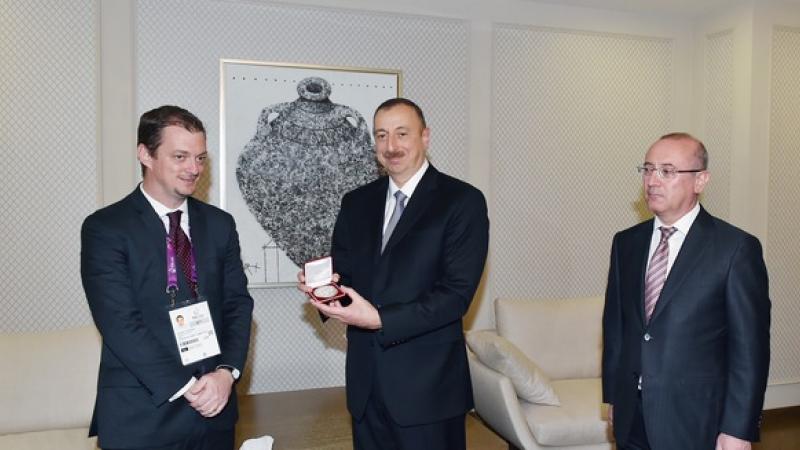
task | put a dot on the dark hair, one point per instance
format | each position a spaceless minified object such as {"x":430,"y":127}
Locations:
{"x":152,"y":122}
{"x":392,"y":102}
{"x":700,"y":150}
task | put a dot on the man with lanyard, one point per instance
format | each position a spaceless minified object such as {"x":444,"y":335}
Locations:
{"x":165,"y":284}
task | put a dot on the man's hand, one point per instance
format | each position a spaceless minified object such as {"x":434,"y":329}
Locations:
{"x":211,"y":392}
{"x":611,"y":415}
{"x":359,"y":313}
{"x":728,"y":442}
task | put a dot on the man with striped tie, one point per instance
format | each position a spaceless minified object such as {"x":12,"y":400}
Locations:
{"x":687,"y":316}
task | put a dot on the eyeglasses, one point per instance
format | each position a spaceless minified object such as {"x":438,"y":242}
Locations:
{"x":665,"y":172}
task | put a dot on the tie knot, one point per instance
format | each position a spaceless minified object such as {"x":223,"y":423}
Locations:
{"x":400,"y":197}
{"x":667,"y":232}
{"x":174,"y":220}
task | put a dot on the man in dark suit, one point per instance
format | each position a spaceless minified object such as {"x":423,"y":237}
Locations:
{"x":143,"y":265}
{"x":687,"y":316}
{"x":410,"y":276}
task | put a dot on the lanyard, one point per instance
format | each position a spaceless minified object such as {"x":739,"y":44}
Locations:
{"x":172,"y":270}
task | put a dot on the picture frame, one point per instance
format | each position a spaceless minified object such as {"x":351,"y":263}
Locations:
{"x":289,"y":149}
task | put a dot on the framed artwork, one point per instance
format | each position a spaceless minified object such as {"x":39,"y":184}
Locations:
{"x":293,"y":139}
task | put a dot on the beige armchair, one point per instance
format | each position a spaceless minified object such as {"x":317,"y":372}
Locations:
{"x":48,"y":388}
{"x":564,"y":339}
{"x":47,"y":391}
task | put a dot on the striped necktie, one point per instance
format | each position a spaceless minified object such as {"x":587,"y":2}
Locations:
{"x":657,"y":272}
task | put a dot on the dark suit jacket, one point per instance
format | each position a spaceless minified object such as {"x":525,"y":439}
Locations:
{"x":704,"y":356}
{"x":422,"y":286}
{"x":123,"y":268}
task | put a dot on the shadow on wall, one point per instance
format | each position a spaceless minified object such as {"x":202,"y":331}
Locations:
{"x":247,"y":374}
{"x":205,"y":182}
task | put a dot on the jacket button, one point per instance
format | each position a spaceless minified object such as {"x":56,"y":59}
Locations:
{"x":647,"y":337}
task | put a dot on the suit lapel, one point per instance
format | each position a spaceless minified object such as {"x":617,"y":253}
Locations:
{"x":694,"y":246}
{"x":373,"y":216}
{"x":417,"y":205}
{"x":151,"y":223}
{"x":150,"y":238}
{"x":642,"y":244}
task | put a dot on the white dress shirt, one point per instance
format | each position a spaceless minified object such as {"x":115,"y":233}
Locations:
{"x":408,"y":190}
{"x":675,"y":241}
{"x":162,"y":212}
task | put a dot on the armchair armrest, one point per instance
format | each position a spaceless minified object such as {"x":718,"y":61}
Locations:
{"x":497,"y":404}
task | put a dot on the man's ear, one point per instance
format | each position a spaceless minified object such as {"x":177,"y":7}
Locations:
{"x":144,"y":156}
{"x":700,"y":181}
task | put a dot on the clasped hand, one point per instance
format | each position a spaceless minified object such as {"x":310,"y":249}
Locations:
{"x":211,"y":392}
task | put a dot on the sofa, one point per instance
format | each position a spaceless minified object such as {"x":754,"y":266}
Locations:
{"x":536,"y":377}
{"x":47,"y":389}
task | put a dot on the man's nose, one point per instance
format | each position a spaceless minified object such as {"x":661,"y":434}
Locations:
{"x":653,"y":179}
{"x":391,"y":143}
{"x":194,"y":166}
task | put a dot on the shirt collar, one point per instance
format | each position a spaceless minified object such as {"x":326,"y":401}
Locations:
{"x":162,"y":210}
{"x":684,"y":223}
{"x":411,"y":184}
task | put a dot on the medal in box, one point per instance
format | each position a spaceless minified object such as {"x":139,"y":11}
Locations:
{"x":319,"y":277}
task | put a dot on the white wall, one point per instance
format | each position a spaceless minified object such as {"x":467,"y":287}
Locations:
{"x":779,"y":145}
{"x":49,"y":158}
{"x":546,"y":108}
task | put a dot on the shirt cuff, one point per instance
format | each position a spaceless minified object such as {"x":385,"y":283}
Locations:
{"x":183,"y":390}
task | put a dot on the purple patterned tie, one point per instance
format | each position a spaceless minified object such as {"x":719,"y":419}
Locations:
{"x":183,"y":247}
{"x":657,"y":272}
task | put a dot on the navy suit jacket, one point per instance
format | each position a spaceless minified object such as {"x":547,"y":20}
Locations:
{"x":422,"y":286}
{"x":123,"y":268}
{"x":704,"y":355}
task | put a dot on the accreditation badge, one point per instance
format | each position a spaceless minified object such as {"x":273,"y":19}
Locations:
{"x":194,"y":332}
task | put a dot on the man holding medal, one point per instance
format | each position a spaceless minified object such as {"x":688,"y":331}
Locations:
{"x":165,"y":284}
{"x":409,"y":250}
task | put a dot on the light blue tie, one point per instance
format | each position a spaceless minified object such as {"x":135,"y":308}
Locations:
{"x":399,"y":207}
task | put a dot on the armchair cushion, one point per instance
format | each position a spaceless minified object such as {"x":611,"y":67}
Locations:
{"x":528,"y":380}
{"x":71,"y":438}
{"x":582,"y":418}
